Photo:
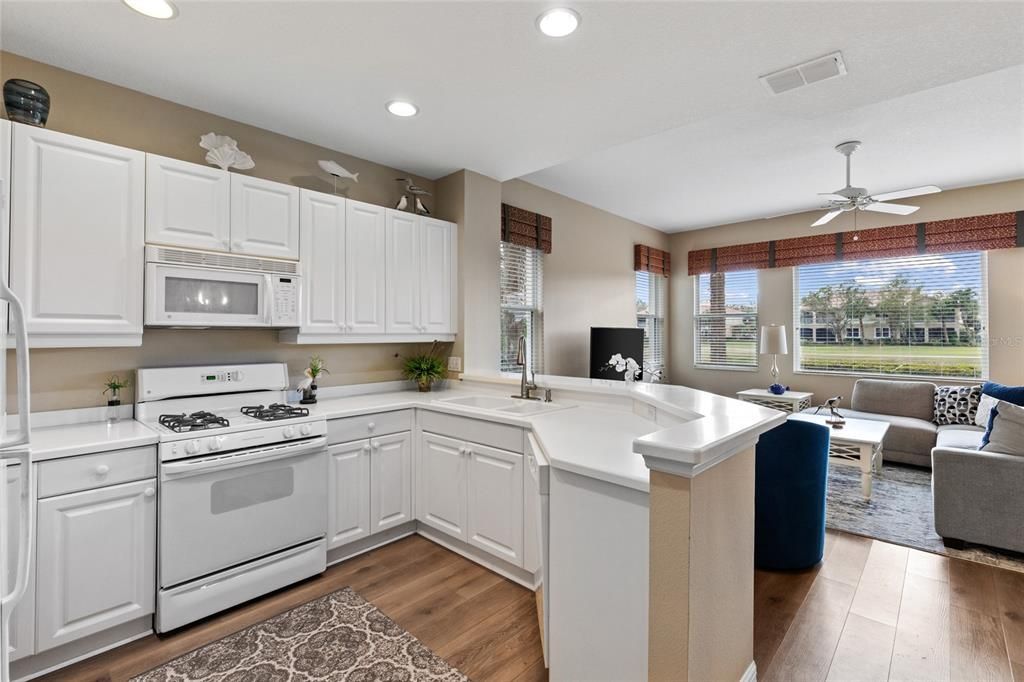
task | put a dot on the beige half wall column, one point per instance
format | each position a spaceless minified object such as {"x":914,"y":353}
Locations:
{"x":701,"y":616}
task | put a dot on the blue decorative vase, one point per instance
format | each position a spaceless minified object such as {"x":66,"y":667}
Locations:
{"x":26,"y":102}
{"x":778,"y":389}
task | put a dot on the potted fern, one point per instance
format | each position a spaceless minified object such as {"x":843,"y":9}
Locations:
{"x":424,"y":369}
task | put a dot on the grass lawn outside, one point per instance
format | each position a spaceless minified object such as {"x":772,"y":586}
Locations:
{"x":938,"y":361}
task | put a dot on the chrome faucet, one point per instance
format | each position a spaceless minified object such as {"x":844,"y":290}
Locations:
{"x":525,"y":387}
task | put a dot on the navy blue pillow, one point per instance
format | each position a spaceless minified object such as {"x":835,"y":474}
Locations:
{"x":1011,"y":394}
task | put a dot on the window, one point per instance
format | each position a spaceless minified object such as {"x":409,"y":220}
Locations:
{"x":725,"y":325}
{"x":650,"y":316}
{"x":922,"y":315}
{"x":521,"y":295}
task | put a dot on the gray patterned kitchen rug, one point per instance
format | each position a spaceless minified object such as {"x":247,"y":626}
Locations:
{"x":900,"y":512}
{"x":337,"y":637}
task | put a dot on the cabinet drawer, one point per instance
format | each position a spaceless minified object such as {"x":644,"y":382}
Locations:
{"x":474,"y":430}
{"x":367,"y":425}
{"x":85,"y":472}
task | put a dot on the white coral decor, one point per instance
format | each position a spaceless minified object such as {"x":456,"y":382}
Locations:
{"x":223,"y":151}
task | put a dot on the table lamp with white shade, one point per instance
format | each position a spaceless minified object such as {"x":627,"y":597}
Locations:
{"x":773,"y":342}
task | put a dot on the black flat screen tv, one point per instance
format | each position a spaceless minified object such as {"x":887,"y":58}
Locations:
{"x":606,"y":343}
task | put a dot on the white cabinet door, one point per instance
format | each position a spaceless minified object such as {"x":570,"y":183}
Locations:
{"x":187,"y":204}
{"x":22,"y":623}
{"x":348,"y":493}
{"x":438,"y":277}
{"x":441,"y":484}
{"x":77,"y":231}
{"x":391,"y":481}
{"x":96,"y":563}
{"x":322,"y":242}
{"x":5,"y":211}
{"x":404,"y":261}
{"x":495,"y":519}
{"x":364,"y":268}
{"x":264,"y":217}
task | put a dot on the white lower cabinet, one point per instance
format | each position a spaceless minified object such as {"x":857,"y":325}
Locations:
{"x":441,"y":484}
{"x":473,"y":492}
{"x":390,"y":481}
{"x":96,"y":561}
{"x":370,"y":487}
{"x":495,"y":518}
{"x":348,"y":493}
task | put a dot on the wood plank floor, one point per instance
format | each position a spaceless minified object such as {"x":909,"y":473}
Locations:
{"x":875,"y":611}
{"x":870,"y":611}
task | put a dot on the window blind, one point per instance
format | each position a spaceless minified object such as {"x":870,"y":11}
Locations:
{"x":650,"y":316}
{"x":521,"y":293}
{"x":725,"y":324}
{"x":919,"y":315}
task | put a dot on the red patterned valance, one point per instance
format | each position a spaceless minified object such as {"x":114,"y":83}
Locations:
{"x":525,"y":228}
{"x":975,"y":233}
{"x":652,"y":260}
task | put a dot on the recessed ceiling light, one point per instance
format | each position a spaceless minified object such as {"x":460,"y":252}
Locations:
{"x":403,"y":109}
{"x":558,"y":22}
{"x":156,"y":9}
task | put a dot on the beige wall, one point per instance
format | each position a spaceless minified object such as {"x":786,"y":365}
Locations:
{"x":588,"y":276}
{"x":64,"y":378}
{"x":775,"y":305}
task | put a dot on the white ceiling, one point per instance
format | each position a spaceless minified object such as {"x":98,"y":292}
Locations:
{"x":652,"y":111}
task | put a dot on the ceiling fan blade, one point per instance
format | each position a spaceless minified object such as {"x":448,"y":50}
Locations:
{"x":825,"y":218}
{"x":832,"y":196}
{"x":896,"y":209}
{"x":907,"y":193}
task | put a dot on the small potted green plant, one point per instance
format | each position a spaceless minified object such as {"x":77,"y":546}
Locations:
{"x":424,"y":369}
{"x":316,"y":368}
{"x":114,"y":385}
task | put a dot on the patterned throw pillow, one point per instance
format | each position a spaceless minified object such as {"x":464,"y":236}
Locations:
{"x":956,"y":404}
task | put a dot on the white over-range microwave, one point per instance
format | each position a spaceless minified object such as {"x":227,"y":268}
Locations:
{"x":187,"y":288}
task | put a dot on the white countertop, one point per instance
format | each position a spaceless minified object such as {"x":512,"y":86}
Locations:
{"x":68,"y":440}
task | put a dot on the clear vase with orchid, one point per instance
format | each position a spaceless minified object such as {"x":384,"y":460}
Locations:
{"x":315,"y":369}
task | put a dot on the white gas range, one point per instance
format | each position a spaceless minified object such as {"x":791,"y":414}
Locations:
{"x":243,"y":496}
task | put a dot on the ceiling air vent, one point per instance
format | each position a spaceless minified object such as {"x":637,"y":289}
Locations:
{"x":793,"y":77}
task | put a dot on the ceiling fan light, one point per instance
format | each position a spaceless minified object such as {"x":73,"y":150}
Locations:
{"x":154,"y":9}
{"x":558,"y":22}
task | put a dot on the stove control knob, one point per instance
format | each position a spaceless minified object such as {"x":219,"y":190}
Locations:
{"x":192,"y":447}
{"x":306,"y":429}
{"x":216,"y":443}
{"x":289,"y":432}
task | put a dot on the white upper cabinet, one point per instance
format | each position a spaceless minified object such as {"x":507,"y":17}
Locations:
{"x":187,"y":204}
{"x":264,"y":217}
{"x":322,"y":240}
{"x":437,"y":276}
{"x":364,"y":268}
{"x":404,"y":263}
{"x":5,"y":209}
{"x":77,"y":231}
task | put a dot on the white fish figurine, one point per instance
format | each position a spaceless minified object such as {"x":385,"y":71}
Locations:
{"x":333,"y":168}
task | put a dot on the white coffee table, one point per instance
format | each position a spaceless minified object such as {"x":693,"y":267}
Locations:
{"x":859,"y":442}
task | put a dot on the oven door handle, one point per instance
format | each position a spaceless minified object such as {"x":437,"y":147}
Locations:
{"x":230,"y":461}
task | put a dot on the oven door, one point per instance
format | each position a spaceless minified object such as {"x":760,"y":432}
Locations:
{"x":182,"y":296}
{"x":223,"y":510}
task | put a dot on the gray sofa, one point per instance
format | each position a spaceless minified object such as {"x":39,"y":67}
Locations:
{"x":909,"y":407}
{"x":977,"y":495}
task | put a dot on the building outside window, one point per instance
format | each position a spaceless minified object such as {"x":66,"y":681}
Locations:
{"x":922,"y":315}
{"x":726,"y":323}
{"x":521,"y":292}
{"x":650,"y":316}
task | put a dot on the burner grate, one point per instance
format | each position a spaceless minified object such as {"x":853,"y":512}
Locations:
{"x":197,"y":421}
{"x":274,"y":412}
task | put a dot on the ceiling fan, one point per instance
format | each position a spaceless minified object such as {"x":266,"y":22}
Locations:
{"x":851,"y":198}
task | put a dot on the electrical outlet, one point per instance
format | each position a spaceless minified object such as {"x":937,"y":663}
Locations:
{"x":454,"y":363}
